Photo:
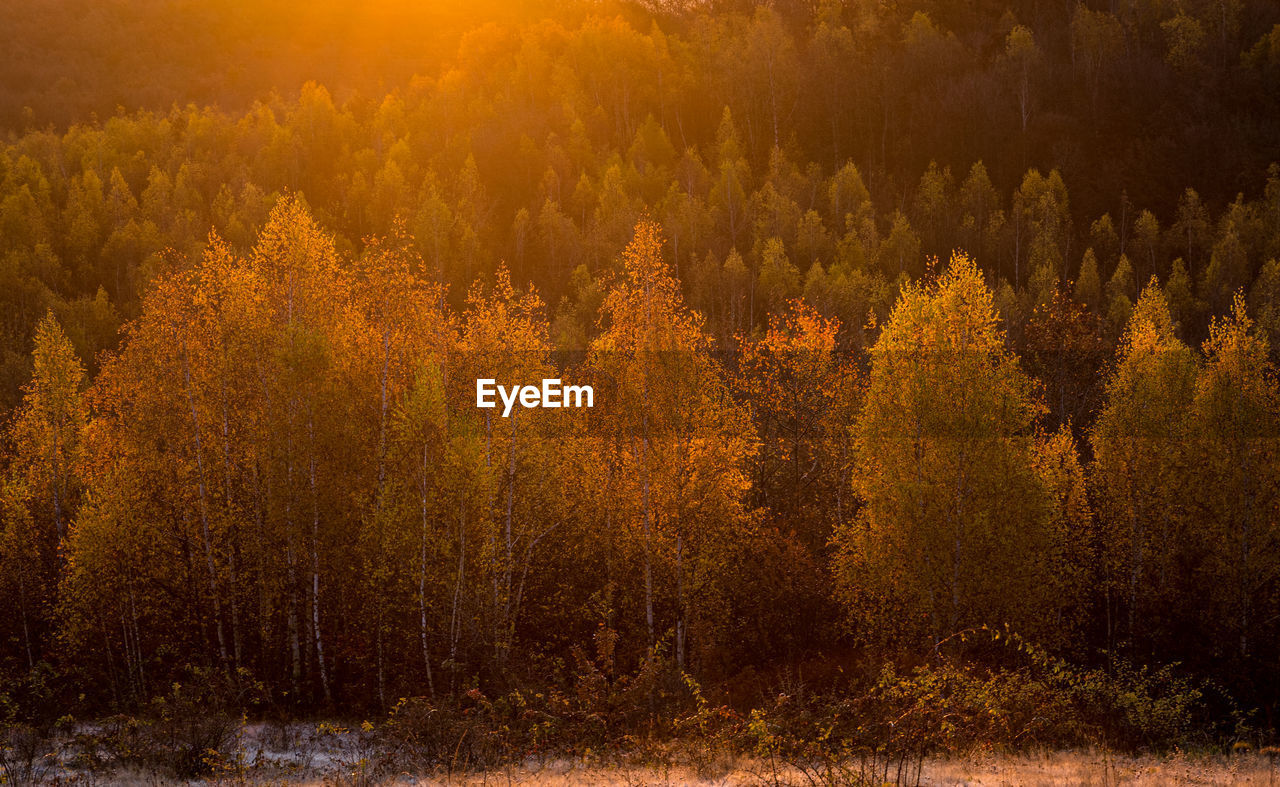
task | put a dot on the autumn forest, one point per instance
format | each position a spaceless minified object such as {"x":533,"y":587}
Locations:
{"x":933,"y":345}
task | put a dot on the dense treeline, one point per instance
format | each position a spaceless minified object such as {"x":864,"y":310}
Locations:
{"x":254,"y":449}
{"x":858,"y":137}
{"x":282,"y":473}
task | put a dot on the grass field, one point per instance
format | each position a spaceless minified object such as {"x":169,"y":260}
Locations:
{"x":1051,"y":768}
{"x":1092,"y":768}
{"x":289,"y":753}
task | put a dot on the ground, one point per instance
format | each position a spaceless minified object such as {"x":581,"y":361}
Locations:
{"x":332,"y":754}
{"x":1055,"y":768}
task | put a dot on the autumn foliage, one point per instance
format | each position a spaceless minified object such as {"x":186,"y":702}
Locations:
{"x":889,"y":430}
{"x":282,"y":474}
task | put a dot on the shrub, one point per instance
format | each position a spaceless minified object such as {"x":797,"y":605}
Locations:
{"x":26,"y":755}
{"x":193,"y":730}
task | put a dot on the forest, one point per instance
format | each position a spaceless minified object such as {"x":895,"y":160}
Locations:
{"x":933,"y":343}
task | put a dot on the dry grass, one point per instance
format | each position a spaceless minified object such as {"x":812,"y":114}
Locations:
{"x":1098,"y":769}
{"x":1095,"y":769}
{"x":337,"y":760}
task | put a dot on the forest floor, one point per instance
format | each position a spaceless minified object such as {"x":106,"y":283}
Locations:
{"x":1097,"y":768}
{"x":1051,"y":768}
{"x":1055,"y":768}
{"x":1092,"y":768}
{"x":301,"y":754}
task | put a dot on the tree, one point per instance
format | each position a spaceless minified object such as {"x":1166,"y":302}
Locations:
{"x":1236,"y":423}
{"x":28,"y":582}
{"x":729,"y":190}
{"x":227,"y":491}
{"x":1140,"y":476}
{"x":899,"y":253}
{"x":934,"y":205}
{"x":830,"y":48}
{"x":1104,"y":241}
{"x":957,"y":528}
{"x":770,"y":67}
{"x":1184,"y":42}
{"x":1146,"y":243}
{"x":1022,"y":63}
{"x":802,"y":391}
{"x":401,"y":338}
{"x":674,"y":446}
{"x":505,"y":336}
{"x":1088,"y":286}
{"x":40,"y":492}
{"x":1228,"y":268}
{"x":48,"y":426}
{"x":847,"y":195}
{"x":979,"y":200}
{"x":1065,"y":351}
{"x":1042,"y":224}
{"x":1180,"y":295}
{"x":779,"y":280}
{"x":1264,"y":303}
{"x":1192,"y":228}
{"x":1120,"y":292}
{"x":1096,"y":41}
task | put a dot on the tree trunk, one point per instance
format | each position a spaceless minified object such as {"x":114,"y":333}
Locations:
{"x":422,"y":575}
{"x":206,"y":538}
{"x":680,"y":614}
{"x":315,"y":564}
